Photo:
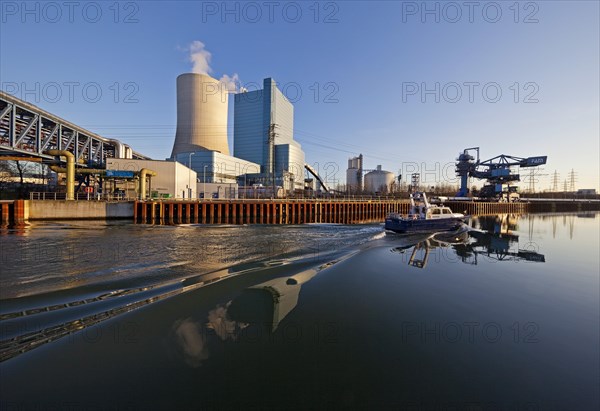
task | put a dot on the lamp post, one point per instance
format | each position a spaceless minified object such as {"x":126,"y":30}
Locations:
{"x":190,"y":174}
{"x":204,"y":184}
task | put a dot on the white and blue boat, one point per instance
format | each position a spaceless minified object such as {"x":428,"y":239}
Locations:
{"x":424,"y":217}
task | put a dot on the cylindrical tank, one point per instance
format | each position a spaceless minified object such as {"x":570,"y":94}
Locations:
{"x":354,"y":172}
{"x":201,"y":115}
{"x":352,"y":181}
{"x":378,"y":181}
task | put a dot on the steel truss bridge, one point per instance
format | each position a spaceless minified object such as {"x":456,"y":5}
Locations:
{"x":28,"y":132}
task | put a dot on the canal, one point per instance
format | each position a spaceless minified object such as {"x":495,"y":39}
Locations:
{"x":502,"y":314}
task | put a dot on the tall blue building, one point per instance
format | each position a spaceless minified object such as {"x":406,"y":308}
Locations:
{"x":263,"y":133}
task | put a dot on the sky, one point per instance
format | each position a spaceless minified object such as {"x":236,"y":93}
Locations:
{"x":407,"y":84}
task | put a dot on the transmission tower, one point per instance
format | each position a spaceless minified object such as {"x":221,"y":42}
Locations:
{"x":533,"y":174}
{"x":572,"y":179}
{"x":555,"y":181}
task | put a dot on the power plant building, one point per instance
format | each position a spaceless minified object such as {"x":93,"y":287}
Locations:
{"x":201,"y":138}
{"x":264,"y":134}
{"x":215,"y":167}
{"x":265,"y":152}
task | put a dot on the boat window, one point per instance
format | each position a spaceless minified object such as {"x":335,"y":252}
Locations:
{"x":435,"y":211}
{"x":446,"y":211}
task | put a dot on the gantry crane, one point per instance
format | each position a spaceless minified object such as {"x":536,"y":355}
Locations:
{"x":496,"y":170}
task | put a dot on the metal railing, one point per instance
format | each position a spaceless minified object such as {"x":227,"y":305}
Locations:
{"x":61,"y":196}
{"x":278,"y":200}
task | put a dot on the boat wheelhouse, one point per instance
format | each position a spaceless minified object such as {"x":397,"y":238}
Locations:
{"x":423,"y":216}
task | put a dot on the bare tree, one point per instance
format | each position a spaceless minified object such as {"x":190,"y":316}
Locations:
{"x":5,"y":173}
{"x":13,"y":174}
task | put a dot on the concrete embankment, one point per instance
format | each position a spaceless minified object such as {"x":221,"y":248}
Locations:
{"x":78,"y":210}
{"x":19,"y":211}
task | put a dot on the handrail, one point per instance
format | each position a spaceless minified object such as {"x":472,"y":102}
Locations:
{"x":62,"y":196}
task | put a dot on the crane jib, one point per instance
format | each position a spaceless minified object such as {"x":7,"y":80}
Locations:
{"x":535,"y":161}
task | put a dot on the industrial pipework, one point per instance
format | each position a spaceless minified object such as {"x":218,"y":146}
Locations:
{"x":143,"y":173}
{"x":70,"y":170}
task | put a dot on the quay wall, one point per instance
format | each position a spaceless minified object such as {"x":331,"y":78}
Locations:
{"x":256,"y":211}
{"x":267,"y":211}
{"x":78,"y":210}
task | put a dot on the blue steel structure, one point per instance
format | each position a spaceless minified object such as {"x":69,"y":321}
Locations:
{"x":496,"y":170}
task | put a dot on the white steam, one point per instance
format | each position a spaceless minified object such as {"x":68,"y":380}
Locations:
{"x":232,"y":83}
{"x":200,"y":58}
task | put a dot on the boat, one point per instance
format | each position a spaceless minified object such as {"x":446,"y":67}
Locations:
{"x":424,"y":217}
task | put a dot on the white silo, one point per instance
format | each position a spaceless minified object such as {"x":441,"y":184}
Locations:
{"x":379,"y":181}
{"x":201,"y":115}
{"x":354,"y":175}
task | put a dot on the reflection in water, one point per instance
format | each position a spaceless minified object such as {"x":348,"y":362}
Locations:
{"x":494,"y":238}
{"x":258,"y":310}
{"x":368,"y":333}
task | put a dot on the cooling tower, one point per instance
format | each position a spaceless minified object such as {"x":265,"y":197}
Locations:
{"x":201,"y":115}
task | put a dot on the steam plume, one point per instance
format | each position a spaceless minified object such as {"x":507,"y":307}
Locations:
{"x":230,"y":83}
{"x":200,"y":58}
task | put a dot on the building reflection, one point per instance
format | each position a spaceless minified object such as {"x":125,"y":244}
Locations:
{"x":255,"y":313}
{"x":493,"y":238}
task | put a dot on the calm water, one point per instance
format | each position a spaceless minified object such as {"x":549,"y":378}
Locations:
{"x":501,"y":315}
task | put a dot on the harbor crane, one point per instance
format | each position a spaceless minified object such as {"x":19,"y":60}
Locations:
{"x":497,"y":171}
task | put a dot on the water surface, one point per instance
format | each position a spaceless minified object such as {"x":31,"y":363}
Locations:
{"x":501,"y":315}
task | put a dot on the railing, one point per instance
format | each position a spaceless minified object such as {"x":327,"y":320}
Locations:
{"x":277,"y":200}
{"x":58,"y":196}
{"x":119,"y":197}
{"x":358,"y":199}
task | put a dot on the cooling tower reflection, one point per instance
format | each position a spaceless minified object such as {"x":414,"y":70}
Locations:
{"x":255,"y":313}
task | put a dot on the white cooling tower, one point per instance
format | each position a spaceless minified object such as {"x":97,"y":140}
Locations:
{"x":201,"y":115}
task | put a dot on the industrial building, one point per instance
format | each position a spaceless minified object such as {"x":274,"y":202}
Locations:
{"x":265,"y":151}
{"x":266,"y":157}
{"x":172,"y":180}
{"x":217,"y":190}
{"x":264,"y":134}
{"x":354,"y":175}
{"x":376,"y":181}
{"x":215,"y":167}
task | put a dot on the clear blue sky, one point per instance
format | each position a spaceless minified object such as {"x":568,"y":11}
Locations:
{"x":369,"y":60}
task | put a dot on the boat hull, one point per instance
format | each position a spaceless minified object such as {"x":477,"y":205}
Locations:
{"x":400,"y":225}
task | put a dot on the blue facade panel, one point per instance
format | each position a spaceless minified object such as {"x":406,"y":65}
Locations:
{"x":254,"y":112}
{"x":249,"y":132}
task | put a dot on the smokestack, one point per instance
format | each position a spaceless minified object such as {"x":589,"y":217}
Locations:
{"x":201,"y":115}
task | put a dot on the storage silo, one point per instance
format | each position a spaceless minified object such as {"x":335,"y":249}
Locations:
{"x":201,"y":115}
{"x":354,"y":174}
{"x":379,"y":181}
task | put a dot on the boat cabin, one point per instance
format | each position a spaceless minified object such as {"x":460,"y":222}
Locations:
{"x":421,"y":209}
